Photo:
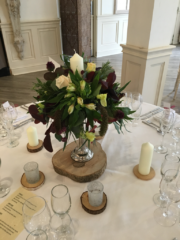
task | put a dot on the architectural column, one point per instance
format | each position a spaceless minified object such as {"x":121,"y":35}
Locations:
{"x":147,"y":51}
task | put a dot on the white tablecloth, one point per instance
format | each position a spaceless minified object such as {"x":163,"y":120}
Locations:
{"x":129,"y":212}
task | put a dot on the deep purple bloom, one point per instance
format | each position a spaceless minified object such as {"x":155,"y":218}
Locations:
{"x":50,"y":66}
{"x":119,"y":115}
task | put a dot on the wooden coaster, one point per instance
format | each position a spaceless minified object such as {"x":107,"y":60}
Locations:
{"x":143,"y":177}
{"x":63,"y":164}
{"x":35,"y":186}
{"x":35,"y":149}
{"x":90,"y":209}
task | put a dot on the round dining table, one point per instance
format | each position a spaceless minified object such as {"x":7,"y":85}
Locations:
{"x":130,"y":206}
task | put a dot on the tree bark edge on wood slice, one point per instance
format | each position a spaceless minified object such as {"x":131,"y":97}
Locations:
{"x":35,"y":149}
{"x":90,"y":209}
{"x":92,"y":170}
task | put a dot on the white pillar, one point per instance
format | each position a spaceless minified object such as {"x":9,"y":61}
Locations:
{"x":147,"y":51}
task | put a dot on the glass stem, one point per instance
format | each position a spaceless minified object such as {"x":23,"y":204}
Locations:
{"x":163,"y":134}
{"x":167,"y":208}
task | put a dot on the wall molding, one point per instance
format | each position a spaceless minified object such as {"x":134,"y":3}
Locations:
{"x":37,"y":48}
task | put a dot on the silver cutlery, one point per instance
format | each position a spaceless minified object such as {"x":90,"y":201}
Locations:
{"x":157,"y":129}
{"x":150,"y":112}
{"x":23,"y":107}
{"x":23,"y":123}
{"x":150,"y":122}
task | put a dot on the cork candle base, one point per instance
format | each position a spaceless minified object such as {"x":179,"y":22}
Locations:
{"x":35,"y":149}
{"x":150,"y":176}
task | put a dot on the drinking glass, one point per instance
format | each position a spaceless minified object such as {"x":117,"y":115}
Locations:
{"x":170,"y":162}
{"x":60,"y":200}
{"x":167,"y":216}
{"x":37,"y":235}
{"x":5,"y":185}
{"x":3,"y":132}
{"x":95,"y":193}
{"x":136,"y":106}
{"x":7,"y":123}
{"x":127,"y":99}
{"x":61,"y":228}
{"x":36,"y":214}
{"x":176,"y":137}
{"x":166,"y":123}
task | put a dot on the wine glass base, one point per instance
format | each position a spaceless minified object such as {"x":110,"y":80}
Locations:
{"x":160,"y":149}
{"x":4,"y":192}
{"x":12,"y":145}
{"x":158,"y":200}
{"x":166,"y":220}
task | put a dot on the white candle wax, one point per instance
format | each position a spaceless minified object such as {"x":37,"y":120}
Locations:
{"x":146,"y":158}
{"x":32,"y":136}
{"x":76,"y":62}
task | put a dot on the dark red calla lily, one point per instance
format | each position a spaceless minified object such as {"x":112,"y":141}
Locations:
{"x":36,"y":115}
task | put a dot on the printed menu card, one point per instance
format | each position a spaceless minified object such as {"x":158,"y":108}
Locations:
{"x":11,"y":217}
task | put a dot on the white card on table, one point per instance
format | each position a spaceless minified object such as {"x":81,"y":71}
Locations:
{"x":6,"y":105}
{"x":166,"y":105}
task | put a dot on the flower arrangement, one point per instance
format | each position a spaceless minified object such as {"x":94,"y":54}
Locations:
{"x":70,"y":100}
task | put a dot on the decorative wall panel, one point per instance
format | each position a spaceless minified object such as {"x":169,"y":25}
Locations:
{"x":110,"y":33}
{"x":48,"y":42}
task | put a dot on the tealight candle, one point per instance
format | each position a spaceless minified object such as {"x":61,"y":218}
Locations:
{"x":76,"y":62}
{"x":95,"y":193}
{"x":32,"y":172}
{"x":146,"y":158}
{"x":32,"y":136}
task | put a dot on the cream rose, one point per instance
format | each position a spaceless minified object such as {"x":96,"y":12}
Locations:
{"x":62,"y":81}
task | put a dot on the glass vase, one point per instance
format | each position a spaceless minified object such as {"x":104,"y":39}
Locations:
{"x":83,"y":152}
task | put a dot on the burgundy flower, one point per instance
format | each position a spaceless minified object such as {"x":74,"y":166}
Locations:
{"x":108,"y":84}
{"x":36,"y":115}
{"x":90,"y":77}
{"x":50,"y":66}
{"x":119,"y":115}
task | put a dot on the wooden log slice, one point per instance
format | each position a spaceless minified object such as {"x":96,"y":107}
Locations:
{"x":35,"y":149}
{"x":92,"y":170}
{"x":90,"y":209}
{"x":150,"y":176}
{"x":34,"y":186}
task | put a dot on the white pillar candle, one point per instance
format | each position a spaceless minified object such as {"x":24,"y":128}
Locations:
{"x":146,"y":158}
{"x":32,"y":136}
{"x":76,"y":62}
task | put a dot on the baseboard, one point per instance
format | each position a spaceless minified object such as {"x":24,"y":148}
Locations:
{"x":29,"y":69}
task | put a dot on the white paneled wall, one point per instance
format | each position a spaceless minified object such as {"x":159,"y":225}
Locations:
{"x":40,"y":25}
{"x":110,"y":30}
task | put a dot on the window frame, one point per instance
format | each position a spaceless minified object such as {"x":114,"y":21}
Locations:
{"x":121,"y":11}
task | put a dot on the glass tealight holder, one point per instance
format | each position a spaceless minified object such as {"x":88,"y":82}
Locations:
{"x":32,"y":172}
{"x":95,"y":193}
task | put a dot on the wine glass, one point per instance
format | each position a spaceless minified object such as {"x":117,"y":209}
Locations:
{"x":12,"y":110}
{"x":36,"y":214}
{"x":37,"y":235}
{"x":166,"y":123}
{"x":60,"y":199}
{"x":5,"y":185}
{"x":170,"y":162}
{"x":136,"y":106}
{"x":167,"y":216}
{"x":7,"y":123}
{"x":61,"y":228}
{"x":3,"y":132}
{"x":127,"y":99}
{"x":176,"y":137}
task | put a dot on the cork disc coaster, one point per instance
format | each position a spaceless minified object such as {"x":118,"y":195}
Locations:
{"x":35,"y":149}
{"x":35,"y":186}
{"x":98,"y":137}
{"x":90,"y":209}
{"x":150,"y":176}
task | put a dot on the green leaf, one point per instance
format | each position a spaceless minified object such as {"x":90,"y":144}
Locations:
{"x":63,"y":103}
{"x":73,"y":118}
{"x":76,"y":130}
{"x":53,"y":86}
{"x":121,"y":89}
{"x":58,"y":137}
{"x":95,"y":82}
{"x":73,"y":79}
{"x":65,"y":113}
{"x":95,"y":92}
{"x":89,"y":116}
{"x":116,"y":126}
{"x":78,"y":77}
{"x":81,"y":118}
{"x":96,"y":115}
{"x":57,"y":99}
